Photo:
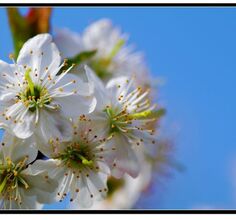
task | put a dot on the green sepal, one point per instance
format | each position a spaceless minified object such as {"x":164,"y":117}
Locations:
{"x":100,"y":68}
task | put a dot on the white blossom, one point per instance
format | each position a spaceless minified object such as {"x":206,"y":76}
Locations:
{"x":22,"y":185}
{"x":113,"y":56}
{"x":124,"y":112}
{"x":80,"y":165}
{"x":35,"y":99}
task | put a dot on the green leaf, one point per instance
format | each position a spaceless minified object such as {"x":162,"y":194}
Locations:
{"x":83,"y":56}
{"x":79,"y":58}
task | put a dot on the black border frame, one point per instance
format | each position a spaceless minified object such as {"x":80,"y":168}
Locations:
{"x":124,"y":211}
{"x":66,"y":5}
{"x":119,"y":4}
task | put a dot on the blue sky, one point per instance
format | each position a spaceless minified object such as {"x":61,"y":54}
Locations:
{"x":194,"y":51}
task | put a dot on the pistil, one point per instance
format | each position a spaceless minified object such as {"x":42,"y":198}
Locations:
{"x":76,"y":155}
{"x":29,"y":81}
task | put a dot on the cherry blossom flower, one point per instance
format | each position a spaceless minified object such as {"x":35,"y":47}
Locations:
{"x":35,"y":98}
{"x":80,"y":165}
{"x":22,"y":185}
{"x":113,"y":57}
{"x":124,"y":112}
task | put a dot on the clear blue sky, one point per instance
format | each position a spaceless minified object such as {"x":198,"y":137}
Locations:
{"x":194,"y":50}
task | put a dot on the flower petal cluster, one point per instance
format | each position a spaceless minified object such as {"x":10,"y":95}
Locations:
{"x":80,"y":164}
{"x":70,"y":130}
{"x":124,"y":112}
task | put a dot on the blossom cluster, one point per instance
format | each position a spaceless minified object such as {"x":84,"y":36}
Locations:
{"x":84,"y":103}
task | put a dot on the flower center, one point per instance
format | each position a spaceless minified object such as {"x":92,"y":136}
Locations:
{"x":34,"y":96}
{"x":76,"y":155}
{"x":117,"y":120}
{"x":11,"y":179}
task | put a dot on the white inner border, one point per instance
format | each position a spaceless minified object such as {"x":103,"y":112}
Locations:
{"x":118,"y":216}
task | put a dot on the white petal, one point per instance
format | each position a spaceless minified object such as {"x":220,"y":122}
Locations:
{"x":25,"y":127}
{"x":118,"y":86}
{"x":45,"y":165}
{"x":96,"y":182}
{"x":17,"y":149}
{"x":7,"y":96}
{"x":100,"y":91}
{"x":29,"y":202}
{"x":41,"y":184}
{"x":15,"y":109}
{"x":8,"y":81}
{"x":69,"y":43}
{"x":101,"y":35}
{"x":84,"y":196}
{"x":53,"y":167}
{"x":126,"y":159}
{"x":75,"y":105}
{"x":7,"y":73}
{"x":51,"y":126}
{"x":100,"y":124}
{"x":40,"y":53}
{"x":70,"y":83}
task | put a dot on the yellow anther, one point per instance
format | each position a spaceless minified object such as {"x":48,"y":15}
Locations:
{"x":11,"y":56}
